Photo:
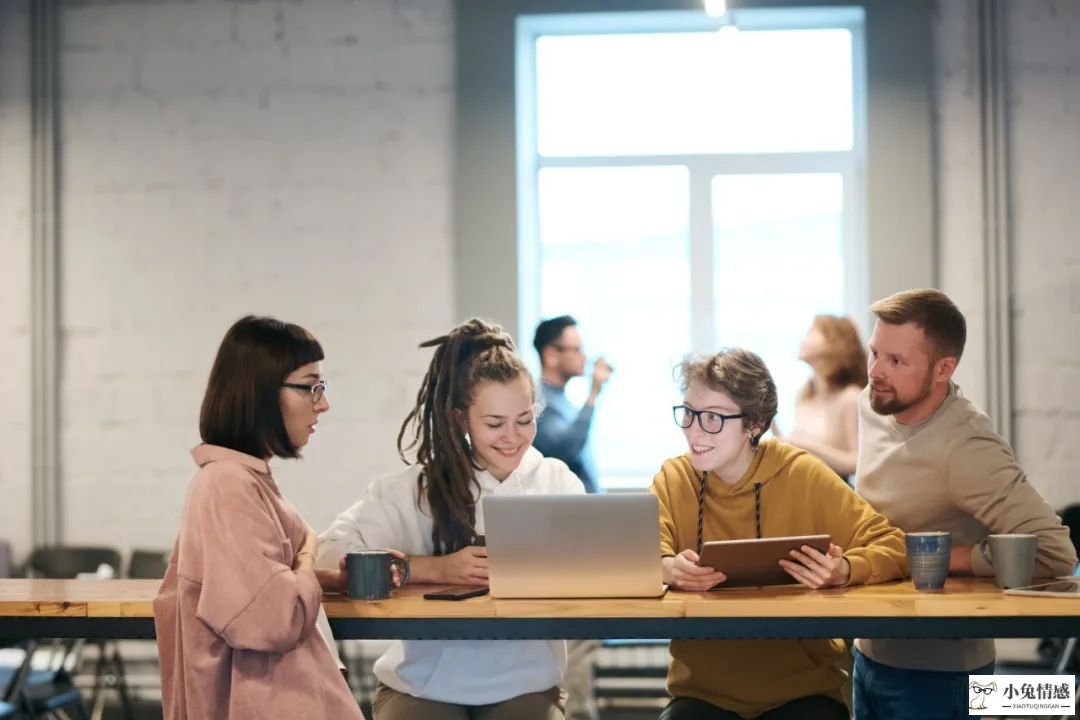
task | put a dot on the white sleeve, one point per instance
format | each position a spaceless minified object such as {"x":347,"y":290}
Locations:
{"x":382,"y":518}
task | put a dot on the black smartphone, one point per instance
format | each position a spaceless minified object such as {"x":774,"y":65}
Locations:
{"x":478,"y":541}
{"x":458,"y":592}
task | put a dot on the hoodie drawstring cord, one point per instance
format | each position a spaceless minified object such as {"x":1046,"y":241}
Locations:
{"x":701,"y":510}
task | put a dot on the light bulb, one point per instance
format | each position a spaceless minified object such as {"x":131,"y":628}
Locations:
{"x":715,"y":8}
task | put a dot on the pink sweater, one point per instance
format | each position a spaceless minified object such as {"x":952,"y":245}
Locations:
{"x":235,"y":623}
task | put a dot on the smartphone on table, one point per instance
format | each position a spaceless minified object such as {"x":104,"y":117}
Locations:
{"x":457,"y":592}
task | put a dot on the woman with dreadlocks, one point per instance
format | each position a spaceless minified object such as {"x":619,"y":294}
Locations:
{"x":472,"y":430}
{"x":732,"y":485}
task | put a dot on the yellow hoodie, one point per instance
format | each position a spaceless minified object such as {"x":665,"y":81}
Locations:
{"x":799,"y":495}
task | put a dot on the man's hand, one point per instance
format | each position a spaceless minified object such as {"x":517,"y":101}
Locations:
{"x":684,"y":573}
{"x":600,"y":374}
{"x":816,"y":570}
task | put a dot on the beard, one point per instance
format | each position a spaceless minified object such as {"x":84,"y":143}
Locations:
{"x":895,"y":403}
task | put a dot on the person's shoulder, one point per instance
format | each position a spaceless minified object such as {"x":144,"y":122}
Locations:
{"x":961,"y":421}
{"x":850,"y":394}
{"x":398,"y":482}
{"x":677,"y":468}
{"x":224,"y":477}
{"x":784,"y":460}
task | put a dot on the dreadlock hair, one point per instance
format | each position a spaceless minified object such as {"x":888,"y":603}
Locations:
{"x":471,"y":353}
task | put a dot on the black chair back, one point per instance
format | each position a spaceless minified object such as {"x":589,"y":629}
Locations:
{"x":148,"y":564}
{"x":65,"y":562}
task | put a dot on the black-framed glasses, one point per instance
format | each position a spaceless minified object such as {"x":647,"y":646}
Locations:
{"x":318,"y":390}
{"x":709,"y":421}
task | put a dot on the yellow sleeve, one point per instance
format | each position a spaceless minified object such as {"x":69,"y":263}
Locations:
{"x":874,"y":548}
{"x":659,"y":488}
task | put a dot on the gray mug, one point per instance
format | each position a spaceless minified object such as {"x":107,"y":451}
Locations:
{"x":1013,"y":557}
{"x":369,"y":574}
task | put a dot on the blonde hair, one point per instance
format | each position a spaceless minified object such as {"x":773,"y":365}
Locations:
{"x":845,"y":362}
{"x":933,"y":311}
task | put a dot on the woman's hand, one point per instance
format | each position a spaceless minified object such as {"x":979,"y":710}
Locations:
{"x":305,"y":556}
{"x":397,"y":576}
{"x":334,"y":581}
{"x":684,"y":573}
{"x":816,"y":570}
{"x":468,"y":566}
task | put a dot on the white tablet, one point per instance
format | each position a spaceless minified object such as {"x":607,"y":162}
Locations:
{"x":1063,"y":587}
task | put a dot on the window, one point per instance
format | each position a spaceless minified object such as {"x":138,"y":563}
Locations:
{"x":683,"y":186}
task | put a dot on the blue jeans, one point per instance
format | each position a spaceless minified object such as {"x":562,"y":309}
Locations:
{"x":883,"y":692}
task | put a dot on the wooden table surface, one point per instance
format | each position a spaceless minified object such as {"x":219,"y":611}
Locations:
{"x":967,"y":607}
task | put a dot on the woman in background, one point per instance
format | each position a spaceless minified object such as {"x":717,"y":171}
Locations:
{"x":472,"y":429}
{"x":236,"y":612}
{"x":826,"y":409}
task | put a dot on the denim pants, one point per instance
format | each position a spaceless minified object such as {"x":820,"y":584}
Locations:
{"x":883,"y":692}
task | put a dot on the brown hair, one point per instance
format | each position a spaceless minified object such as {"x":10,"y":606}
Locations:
{"x":241,"y":409}
{"x":471,"y":353}
{"x":845,"y":362}
{"x":742,"y":376}
{"x":931,"y":310}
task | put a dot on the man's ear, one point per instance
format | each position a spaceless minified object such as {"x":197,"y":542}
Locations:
{"x":944,"y":368}
{"x":545,"y":356}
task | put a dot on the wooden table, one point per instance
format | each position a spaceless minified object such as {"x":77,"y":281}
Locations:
{"x":967,"y":608}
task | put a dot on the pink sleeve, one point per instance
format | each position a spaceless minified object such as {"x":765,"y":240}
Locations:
{"x":249,"y":595}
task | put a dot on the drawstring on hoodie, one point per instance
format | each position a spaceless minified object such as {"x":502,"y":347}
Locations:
{"x":701,"y":510}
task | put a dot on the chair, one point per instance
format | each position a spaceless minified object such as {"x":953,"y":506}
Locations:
{"x":39,"y":693}
{"x":66,"y":562}
{"x":109,"y":669}
{"x":148,"y":564}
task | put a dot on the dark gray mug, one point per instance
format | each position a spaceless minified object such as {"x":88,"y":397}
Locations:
{"x":368,"y":574}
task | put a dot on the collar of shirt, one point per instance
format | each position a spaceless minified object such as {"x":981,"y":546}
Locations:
{"x":204,"y":453}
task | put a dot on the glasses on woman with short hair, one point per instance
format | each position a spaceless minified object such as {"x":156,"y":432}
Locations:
{"x":318,"y":390}
{"x":709,"y":421}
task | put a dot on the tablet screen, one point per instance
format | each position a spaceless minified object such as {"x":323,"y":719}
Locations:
{"x":756,"y":562}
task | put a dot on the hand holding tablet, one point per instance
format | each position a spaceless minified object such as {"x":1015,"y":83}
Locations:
{"x":811,"y":560}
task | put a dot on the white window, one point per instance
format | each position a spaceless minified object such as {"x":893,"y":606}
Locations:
{"x":687,"y":184}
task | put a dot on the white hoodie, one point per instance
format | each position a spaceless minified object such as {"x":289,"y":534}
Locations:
{"x":461,"y":672}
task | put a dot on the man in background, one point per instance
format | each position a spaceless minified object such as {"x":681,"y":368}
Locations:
{"x":563,"y":430}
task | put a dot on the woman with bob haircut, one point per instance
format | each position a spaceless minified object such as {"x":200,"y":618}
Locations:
{"x":472,"y":429}
{"x":235,"y":614}
{"x":827,"y":407}
{"x":732,"y":485}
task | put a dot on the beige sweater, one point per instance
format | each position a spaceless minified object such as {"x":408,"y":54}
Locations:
{"x":952,"y":472}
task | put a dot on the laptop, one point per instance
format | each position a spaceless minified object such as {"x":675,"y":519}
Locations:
{"x":573,"y":546}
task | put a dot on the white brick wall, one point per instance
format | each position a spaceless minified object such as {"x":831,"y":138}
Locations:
{"x":224,"y":158}
{"x":295,"y":158}
{"x":14,"y":276}
{"x":1044,"y":101}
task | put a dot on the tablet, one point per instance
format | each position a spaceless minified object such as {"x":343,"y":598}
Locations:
{"x":1065,"y":587}
{"x":755,"y":562}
